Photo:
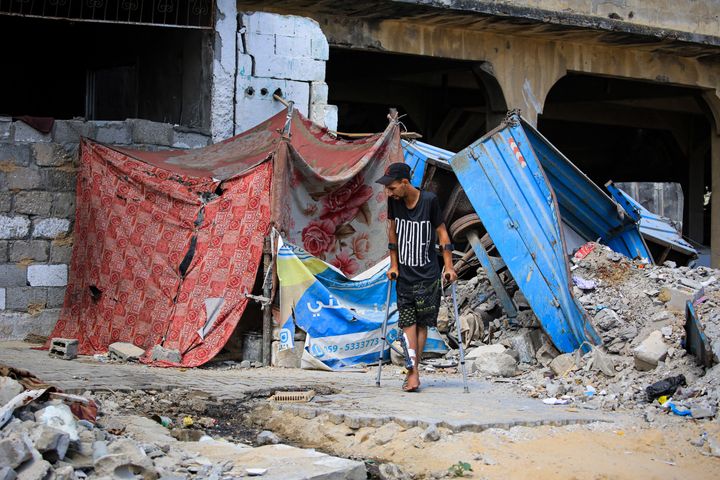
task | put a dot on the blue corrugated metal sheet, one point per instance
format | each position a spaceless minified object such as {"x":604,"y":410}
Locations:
{"x":416,"y":155}
{"x":506,"y":184}
{"x":652,"y":226}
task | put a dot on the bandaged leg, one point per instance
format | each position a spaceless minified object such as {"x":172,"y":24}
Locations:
{"x":410,"y":351}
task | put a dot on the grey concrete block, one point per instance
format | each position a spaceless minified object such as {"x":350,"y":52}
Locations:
{"x":7,"y":130}
{"x":55,"y":297}
{"x":125,"y":352}
{"x":20,"y":298}
{"x":36,"y":250}
{"x":50,"y":227}
{"x":5,"y":202}
{"x":165,"y":355}
{"x":64,"y":205}
{"x":60,"y":253}
{"x":14,"y":154}
{"x":4,"y":249}
{"x":50,"y":155}
{"x":65,"y":348}
{"x":70,"y":131}
{"x":18,"y":325}
{"x":26,"y":133}
{"x":113,"y":133}
{"x":2,"y":298}
{"x":12,"y":275}
{"x":189,"y":140}
{"x":58,"y":180}
{"x":33,"y":202}
{"x":15,"y":226}
{"x":14,"y":450}
{"x":151,"y":133}
{"x":21,"y":178}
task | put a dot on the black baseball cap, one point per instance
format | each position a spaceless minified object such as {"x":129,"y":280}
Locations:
{"x":395,"y":171}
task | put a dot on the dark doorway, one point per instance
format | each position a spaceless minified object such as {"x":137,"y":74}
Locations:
{"x":632,"y":131}
{"x":450,"y":102}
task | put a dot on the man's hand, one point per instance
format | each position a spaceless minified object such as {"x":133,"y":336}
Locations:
{"x":392,"y":273}
{"x":450,"y":275}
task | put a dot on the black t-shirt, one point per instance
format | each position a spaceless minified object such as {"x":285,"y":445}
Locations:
{"x":416,"y":237}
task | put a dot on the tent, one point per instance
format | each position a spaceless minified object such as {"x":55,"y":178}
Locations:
{"x":168,"y":243}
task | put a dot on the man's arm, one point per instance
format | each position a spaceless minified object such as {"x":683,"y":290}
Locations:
{"x":444,"y":240}
{"x":392,"y":240}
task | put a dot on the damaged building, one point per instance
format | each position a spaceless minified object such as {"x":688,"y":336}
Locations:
{"x":629,"y":91}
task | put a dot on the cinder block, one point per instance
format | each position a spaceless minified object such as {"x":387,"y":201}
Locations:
{"x":150,"y":133}
{"x":253,"y":107}
{"x":12,"y":275}
{"x":318,"y":93}
{"x":320,"y":49}
{"x":36,"y":250}
{"x":14,"y":154}
{"x":25,"y":133}
{"x":189,"y":140}
{"x":262,"y":22}
{"x":13,"y":226}
{"x":7,"y":130}
{"x":55,"y":297}
{"x":47,"y":275}
{"x":244,"y":65}
{"x":20,"y":298}
{"x":259,"y":44}
{"x":331,"y":117}
{"x":4,"y":249}
{"x":22,"y":178}
{"x":59,"y":179}
{"x":65,"y":348}
{"x":70,"y":131}
{"x":33,"y":203}
{"x":2,"y":299}
{"x":113,"y":133}
{"x":50,"y":155}
{"x":160,"y":354}
{"x":17,"y":325}
{"x":293,"y":46}
{"x":64,"y":205}
{"x":60,"y":254}
{"x":50,"y":227}
{"x":282,"y":67}
{"x":5,"y":202}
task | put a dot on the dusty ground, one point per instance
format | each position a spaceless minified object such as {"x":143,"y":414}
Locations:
{"x":627,"y":449}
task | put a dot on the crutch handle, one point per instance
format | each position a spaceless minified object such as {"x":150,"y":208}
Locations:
{"x":393,"y":276}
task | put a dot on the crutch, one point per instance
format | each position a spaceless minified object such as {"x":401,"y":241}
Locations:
{"x":459,"y":334}
{"x":383,"y":332}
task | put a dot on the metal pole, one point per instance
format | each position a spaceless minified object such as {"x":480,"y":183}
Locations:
{"x":459,"y":335}
{"x":383,"y":333}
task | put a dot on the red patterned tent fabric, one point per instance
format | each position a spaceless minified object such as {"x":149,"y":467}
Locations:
{"x":167,"y":243}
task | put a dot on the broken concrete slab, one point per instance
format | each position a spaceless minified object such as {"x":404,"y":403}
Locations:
{"x":14,"y":450}
{"x":563,"y":364}
{"x":49,"y":441}
{"x":9,"y":388}
{"x":124,"y":458}
{"x":651,"y":351}
{"x":7,"y":473}
{"x":484,"y":349}
{"x":125,"y":352}
{"x":267,"y":437}
{"x":500,"y":364}
{"x":35,"y":469}
{"x":161,"y":354}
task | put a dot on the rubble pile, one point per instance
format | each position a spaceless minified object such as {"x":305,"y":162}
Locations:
{"x":639,"y":312}
{"x":45,"y":434}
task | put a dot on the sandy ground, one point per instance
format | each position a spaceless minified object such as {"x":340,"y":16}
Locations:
{"x":627,"y":449}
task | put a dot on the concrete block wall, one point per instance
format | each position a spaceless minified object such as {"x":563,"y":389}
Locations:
{"x":37,"y":209}
{"x":283,"y":52}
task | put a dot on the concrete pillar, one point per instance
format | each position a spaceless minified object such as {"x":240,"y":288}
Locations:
{"x":715,"y":212}
{"x":223,"y":70}
{"x":695,"y":194}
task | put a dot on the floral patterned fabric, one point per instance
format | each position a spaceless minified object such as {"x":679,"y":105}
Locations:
{"x":326,"y":198}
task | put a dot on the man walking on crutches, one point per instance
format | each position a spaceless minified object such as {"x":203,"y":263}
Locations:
{"x":415,"y":225}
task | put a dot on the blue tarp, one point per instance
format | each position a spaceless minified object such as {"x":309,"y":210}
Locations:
{"x":342,"y":317}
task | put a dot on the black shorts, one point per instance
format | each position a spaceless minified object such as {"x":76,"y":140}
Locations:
{"x":418,"y":303}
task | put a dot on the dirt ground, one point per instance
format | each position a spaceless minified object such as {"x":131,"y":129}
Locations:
{"x":629,"y":449}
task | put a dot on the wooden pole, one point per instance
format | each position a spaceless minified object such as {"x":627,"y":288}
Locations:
{"x":267,"y":306}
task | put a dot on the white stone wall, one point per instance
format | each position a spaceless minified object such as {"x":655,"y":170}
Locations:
{"x":283,"y":52}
